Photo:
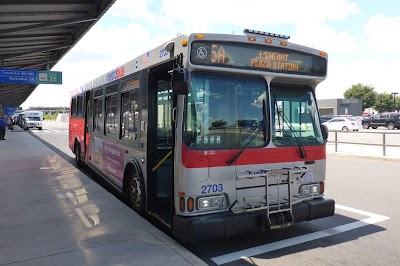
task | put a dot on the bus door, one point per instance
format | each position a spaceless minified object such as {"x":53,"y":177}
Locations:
{"x":160,"y":146}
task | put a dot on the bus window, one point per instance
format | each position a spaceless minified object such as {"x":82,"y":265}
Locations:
{"x":98,"y":115}
{"x":222,"y":109}
{"x":73,"y":106}
{"x":294,"y":116}
{"x":79,"y":109}
{"x":110,"y":116}
{"x":130,"y":116}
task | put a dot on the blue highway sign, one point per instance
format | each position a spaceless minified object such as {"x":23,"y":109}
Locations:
{"x":22,"y":76}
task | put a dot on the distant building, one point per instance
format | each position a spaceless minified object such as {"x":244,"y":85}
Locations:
{"x":49,"y":110}
{"x":340,"y":107}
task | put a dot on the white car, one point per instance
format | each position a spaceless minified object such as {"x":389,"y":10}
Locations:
{"x":344,"y":123}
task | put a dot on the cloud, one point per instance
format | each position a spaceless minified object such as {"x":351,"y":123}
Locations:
{"x":322,"y":37}
{"x":257,"y":13}
{"x":382,"y":34}
{"x":133,"y":9}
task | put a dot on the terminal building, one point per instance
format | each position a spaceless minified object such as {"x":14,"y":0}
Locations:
{"x":48,"y":110}
{"x":340,"y":107}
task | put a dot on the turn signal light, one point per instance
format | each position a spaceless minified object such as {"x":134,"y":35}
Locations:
{"x":182,"y":204}
{"x":321,"y":187}
{"x":190,"y":204}
{"x":184,"y":43}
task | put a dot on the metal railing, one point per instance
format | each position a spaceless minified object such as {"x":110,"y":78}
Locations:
{"x":383,"y":140}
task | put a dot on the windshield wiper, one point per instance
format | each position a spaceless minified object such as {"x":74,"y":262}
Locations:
{"x":256,"y":126}
{"x":260,"y":127}
{"x":299,"y":144}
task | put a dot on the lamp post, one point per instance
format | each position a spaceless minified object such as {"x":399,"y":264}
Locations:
{"x":394,"y":100}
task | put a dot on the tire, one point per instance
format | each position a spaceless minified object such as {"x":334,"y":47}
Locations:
{"x":365,"y":125}
{"x":374,"y":127}
{"x":39,"y":128}
{"x":78,"y":159}
{"x":390,"y":125}
{"x":345,"y":128}
{"x":134,"y":191}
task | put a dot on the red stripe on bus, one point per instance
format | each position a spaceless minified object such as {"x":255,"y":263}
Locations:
{"x":213,"y":158}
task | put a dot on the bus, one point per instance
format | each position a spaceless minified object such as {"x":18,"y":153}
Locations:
{"x":30,"y":119}
{"x":211,"y":135}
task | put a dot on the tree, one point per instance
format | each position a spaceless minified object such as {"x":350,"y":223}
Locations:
{"x":364,"y":92}
{"x":384,"y":102}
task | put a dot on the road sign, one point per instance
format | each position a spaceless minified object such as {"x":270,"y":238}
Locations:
{"x":22,"y":76}
{"x":9,"y":110}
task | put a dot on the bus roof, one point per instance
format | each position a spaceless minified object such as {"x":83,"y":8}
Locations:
{"x":180,"y":44}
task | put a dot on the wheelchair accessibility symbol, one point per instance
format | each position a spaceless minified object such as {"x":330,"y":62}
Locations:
{"x":201,"y":52}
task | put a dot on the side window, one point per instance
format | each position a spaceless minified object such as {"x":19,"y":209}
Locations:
{"x":384,"y":116}
{"x":98,"y":115}
{"x":130,"y":116}
{"x":79,"y":108}
{"x":110,"y":116}
{"x":73,"y":106}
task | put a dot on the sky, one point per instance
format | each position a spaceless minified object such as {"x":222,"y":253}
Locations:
{"x":362,"y":38}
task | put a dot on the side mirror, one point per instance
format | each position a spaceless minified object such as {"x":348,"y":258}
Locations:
{"x":325,"y":132}
{"x":179,"y":81}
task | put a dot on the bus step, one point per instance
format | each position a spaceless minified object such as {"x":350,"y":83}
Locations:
{"x":280,"y":220}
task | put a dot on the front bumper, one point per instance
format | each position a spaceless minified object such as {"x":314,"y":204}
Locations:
{"x":225,"y":224}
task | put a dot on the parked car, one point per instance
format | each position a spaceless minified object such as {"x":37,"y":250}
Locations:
{"x":389,"y":120}
{"x":326,"y":118}
{"x":344,"y":123}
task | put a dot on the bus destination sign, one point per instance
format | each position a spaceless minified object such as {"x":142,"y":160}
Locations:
{"x":268,"y":58}
{"x":25,"y":76}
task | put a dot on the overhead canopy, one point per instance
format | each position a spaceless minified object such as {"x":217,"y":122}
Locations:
{"x":37,"y":34}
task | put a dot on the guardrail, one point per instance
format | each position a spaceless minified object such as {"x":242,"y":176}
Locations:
{"x":385,"y":140}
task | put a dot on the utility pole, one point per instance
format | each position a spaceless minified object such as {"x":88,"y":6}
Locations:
{"x":394,"y":100}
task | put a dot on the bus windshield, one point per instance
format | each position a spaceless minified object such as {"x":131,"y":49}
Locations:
{"x":295,"y":119}
{"x":33,"y":118}
{"x":222,"y":109}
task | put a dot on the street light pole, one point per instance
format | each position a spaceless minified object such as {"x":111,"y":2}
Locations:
{"x":394,"y":100}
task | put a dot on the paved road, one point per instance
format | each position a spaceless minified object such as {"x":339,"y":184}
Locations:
{"x":364,"y":230}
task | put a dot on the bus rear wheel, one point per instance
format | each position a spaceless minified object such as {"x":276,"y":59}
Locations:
{"x":134,"y":192}
{"x":78,"y":159}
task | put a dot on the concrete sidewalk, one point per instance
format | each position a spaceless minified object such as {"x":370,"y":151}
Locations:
{"x":52,"y":214}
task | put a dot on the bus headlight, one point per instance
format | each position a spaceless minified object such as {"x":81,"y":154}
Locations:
{"x":210,"y":203}
{"x":309,"y":189}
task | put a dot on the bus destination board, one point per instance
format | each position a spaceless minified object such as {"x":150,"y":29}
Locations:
{"x":267,"y":58}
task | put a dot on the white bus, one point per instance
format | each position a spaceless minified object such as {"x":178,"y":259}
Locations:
{"x":211,"y":134}
{"x":31,"y":119}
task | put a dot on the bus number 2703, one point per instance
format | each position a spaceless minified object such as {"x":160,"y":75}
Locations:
{"x":212,"y":188}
